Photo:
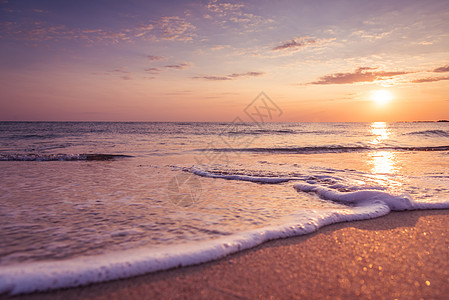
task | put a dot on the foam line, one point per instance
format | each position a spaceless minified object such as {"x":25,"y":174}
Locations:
{"x":203,"y":173}
{"x":367,"y":197}
{"x":46,"y":275}
{"x":41,"y":276}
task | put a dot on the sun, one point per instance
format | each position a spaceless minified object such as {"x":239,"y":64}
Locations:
{"x":381,"y":97}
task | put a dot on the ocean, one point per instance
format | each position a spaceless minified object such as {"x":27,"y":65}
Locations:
{"x":84,"y":202}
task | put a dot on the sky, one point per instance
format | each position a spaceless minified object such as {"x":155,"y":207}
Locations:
{"x":317,"y":61}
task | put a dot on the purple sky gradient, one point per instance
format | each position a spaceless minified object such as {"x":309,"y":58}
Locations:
{"x":206,"y":60}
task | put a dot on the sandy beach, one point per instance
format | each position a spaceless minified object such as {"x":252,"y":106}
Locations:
{"x":401,"y":256}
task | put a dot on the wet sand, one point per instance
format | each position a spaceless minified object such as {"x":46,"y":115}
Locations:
{"x":403,"y":255}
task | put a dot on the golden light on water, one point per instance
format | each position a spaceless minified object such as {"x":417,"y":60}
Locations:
{"x":380,"y":132}
{"x":381,"y":161}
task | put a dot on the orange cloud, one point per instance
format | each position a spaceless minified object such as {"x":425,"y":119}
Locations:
{"x":230,"y":76}
{"x":362,"y":74}
{"x":430,"y":79}
{"x":441,"y":69}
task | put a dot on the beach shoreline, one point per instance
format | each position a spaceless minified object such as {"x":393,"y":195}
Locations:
{"x":401,"y":255}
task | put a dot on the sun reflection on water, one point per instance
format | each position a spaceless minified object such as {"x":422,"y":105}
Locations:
{"x":381,"y":162}
{"x":380,"y":131}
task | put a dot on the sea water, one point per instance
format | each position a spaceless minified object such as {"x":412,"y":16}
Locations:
{"x":86,"y":202}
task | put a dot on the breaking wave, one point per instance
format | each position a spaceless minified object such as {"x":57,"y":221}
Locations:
{"x":430,"y":133}
{"x":326,"y":149}
{"x":59,"y":157}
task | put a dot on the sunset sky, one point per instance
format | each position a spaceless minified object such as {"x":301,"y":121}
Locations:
{"x":206,"y":60}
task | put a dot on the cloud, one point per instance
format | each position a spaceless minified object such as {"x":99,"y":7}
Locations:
{"x":218,"y":78}
{"x":295,"y":43}
{"x":181,"y":66}
{"x":119,"y":70}
{"x":43,"y":32}
{"x":165,"y":28}
{"x":441,"y":69}
{"x":153,"y":70}
{"x":249,"y":20}
{"x":219,"y":47}
{"x":155,"y":58}
{"x":362,"y":74}
{"x":223,"y":9}
{"x":225,"y":13}
{"x":430,"y":79}
{"x":176,"y":29}
{"x":38,"y":31}
{"x":230,"y":76}
{"x":247,"y":74}
{"x":372,"y":35}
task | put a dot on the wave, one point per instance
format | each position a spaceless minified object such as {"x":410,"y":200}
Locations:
{"x":33,"y":136}
{"x":281,"y":131}
{"x":59,"y":157}
{"x":359,"y":205}
{"x":263,"y":131}
{"x":327,"y":149}
{"x":258,"y":179}
{"x":430,"y":133}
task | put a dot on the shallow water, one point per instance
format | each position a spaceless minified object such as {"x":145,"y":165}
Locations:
{"x":72,"y":192}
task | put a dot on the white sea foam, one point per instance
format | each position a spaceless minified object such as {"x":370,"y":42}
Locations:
{"x":203,"y":173}
{"x":40,"y":276}
{"x":370,"y":197}
{"x":45,"y":275}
